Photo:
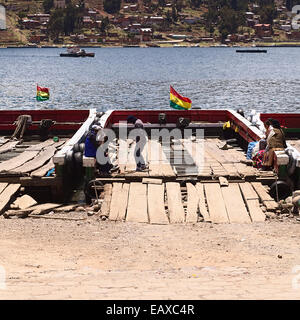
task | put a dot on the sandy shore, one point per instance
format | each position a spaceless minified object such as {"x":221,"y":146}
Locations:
{"x":92,"y":259}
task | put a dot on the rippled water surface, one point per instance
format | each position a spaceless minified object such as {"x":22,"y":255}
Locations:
{"x":119,"y":78}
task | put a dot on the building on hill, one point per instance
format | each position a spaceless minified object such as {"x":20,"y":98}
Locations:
{"x":263,"y":30}
{"x":2,"y":18}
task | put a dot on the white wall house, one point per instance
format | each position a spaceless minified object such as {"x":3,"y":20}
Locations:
{"x":2,"y":18}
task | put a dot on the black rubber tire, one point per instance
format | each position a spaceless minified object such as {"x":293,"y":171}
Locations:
{"x":76,"y":147}
{"x":81,"y":147}
{"x":69,"y":156}
{"x":78,"y":157}
{"x":284,"y":190}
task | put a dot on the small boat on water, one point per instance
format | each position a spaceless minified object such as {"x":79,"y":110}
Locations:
{"x":251,"y":51}
{"x":77,"y":52}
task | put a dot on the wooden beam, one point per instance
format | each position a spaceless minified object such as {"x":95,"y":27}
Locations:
{"x":202,"y":202}
{"x":8,"y":146}
{"x":236,"y":209}
{"x":3,"y":185}
{"x":7,"y":195}
{"x":137,"y":203}
{"x":105,"y":207}
{"x":176,"y":211}
{"x":216,"y":206}
{"x":41,"y":172}
{"x":192,"y":203}
{"x":156,"y":204}
{"x":266,"y":199}
{"x":114,"y":204}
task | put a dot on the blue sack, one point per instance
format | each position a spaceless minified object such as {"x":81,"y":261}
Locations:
{"x":251,"y":145}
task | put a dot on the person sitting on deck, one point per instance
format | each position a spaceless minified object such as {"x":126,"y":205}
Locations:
{"x":275,"y":142}
{"x":141,"y":141}
{"x":91,"y":144}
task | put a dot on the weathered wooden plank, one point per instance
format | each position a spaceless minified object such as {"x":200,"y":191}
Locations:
{"x":137,"y":203}
{"x":252,"y":202}
{"x":248,"y":191}
{"x":154,"y":159}
{"x":119,"y":204}
{"x":231,"y":169}
{"x":114,"y":204}
{"x":236,"y":209}
{"x":7,"y":194}
{"x":3,"y":141}
{"x":266,"y":199}
{"x":8,"y":146}
{"x":261,"y":191}
{"x":196,"y":152}
{"x":257,"y":215}
{"x":216,"y":206}
{"x":42,"y":145}
{"x":202,"y":202}
{"x":38,"y":209}
{"x":43,"y":208}
{"x":156,"y":204}
{"x":176,"y":211}
{"x":17,"y":161}
{"x":105,"y":207}
{"x":245,"y":170}
{"x":223,"y":182}
{"x":158,"y":162}
{"x":192,"y":203}
{"x":37,"y":161}
{"x":152,"y":181}
{"x":41,"y":172}
{"x":3,"y":185}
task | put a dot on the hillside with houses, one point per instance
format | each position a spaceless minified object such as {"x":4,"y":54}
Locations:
{"x":147,"y":22}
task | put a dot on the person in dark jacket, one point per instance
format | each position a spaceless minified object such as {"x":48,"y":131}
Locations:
{"x":91,"y":144}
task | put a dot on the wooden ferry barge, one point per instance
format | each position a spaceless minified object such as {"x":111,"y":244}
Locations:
{"x":222,"y":188}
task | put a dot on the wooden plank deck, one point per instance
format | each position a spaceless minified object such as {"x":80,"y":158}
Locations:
{"x":148,"y":202}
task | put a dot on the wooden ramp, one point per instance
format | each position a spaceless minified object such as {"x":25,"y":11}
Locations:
{"x":155,"y":202}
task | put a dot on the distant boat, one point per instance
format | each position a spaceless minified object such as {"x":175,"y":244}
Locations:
{"x":152,"y":45}
{"x":77,"y":52}
{"x":251,"y":51}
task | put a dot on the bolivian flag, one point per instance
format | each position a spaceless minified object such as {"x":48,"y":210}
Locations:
{"x":179,"y":102}
{"x":42,"y":94}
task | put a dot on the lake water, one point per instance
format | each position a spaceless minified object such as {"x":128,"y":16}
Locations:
{"x":121,"y":78}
